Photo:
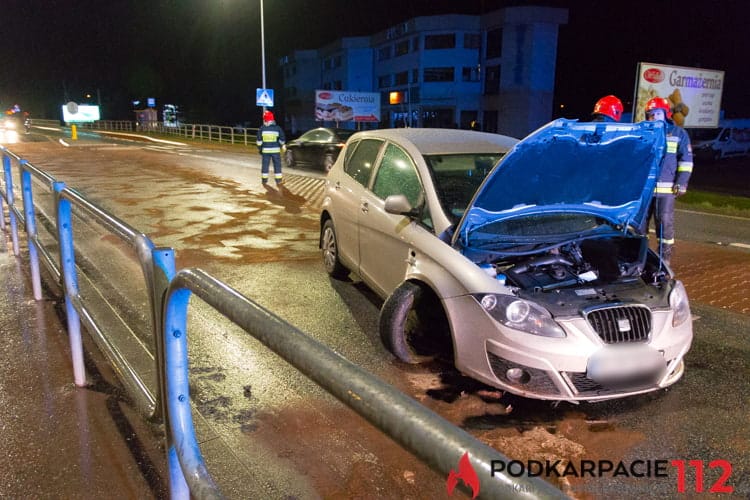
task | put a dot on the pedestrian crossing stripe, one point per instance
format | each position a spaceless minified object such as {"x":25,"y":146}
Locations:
{"x":264,"y":97}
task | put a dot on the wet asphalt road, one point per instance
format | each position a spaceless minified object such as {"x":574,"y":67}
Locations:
{"x":211,"y":208}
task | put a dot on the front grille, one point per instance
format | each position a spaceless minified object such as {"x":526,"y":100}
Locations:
{"x":621,"y":324}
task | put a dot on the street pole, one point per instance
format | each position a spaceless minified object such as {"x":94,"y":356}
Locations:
{"x":263,"y":47}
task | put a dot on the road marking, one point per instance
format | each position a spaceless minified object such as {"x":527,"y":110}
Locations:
{"x":152,"y":139}
{"x":735,"y":217}
{"x":740,"y":245}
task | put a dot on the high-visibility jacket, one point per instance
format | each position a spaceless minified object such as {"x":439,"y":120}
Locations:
{"x":270,"y":138}
{"x":678,"y":161}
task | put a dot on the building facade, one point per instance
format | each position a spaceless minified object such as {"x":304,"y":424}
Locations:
{"x":493,"y":72}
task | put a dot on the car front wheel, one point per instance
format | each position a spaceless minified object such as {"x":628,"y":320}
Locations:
{"x":413,"y":325}
{"x":330,"y":247}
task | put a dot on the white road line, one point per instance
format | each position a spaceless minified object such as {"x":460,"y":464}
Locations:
{"x":735,"y":217}
{"x":740,"y":245}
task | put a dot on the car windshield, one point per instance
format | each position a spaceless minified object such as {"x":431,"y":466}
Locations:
{"x":457,"y":177}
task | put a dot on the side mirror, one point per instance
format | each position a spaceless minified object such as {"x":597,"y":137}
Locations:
{"x":398,"y":204}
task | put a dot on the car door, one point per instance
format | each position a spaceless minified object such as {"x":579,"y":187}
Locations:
{"x":302,"y":146}
{"x":384,"y":238}
{"x":346,"y":189}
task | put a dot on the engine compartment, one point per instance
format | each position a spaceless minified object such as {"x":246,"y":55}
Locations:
{"x":583,"y":273}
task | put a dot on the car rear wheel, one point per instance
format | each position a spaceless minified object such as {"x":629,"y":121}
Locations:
{"x":289,"y":157}
{"x":330,"y":247}
{"x":328,"y":162}
{"x":413,"y":325}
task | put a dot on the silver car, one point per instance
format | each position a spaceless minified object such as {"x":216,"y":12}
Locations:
{"x":519,"y":261}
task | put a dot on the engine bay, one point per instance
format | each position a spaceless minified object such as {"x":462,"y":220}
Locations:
{"x":581,"y":273}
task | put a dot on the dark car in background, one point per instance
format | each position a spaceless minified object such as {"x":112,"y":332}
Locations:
{"x":317,"y":148}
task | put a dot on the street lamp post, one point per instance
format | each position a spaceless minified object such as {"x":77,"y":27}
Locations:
{"x":262,"y":48}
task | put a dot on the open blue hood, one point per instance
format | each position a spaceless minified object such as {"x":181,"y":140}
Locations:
{"x":605,"y":169}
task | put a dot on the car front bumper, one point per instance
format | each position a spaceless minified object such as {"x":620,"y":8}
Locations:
{"x":579,"y":367}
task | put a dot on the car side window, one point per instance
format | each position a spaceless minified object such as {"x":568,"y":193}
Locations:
{"x":359,"y":164}
{"x":397,"y":175}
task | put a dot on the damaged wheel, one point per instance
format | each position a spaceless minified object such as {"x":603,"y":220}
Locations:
{"x":413,"y":325}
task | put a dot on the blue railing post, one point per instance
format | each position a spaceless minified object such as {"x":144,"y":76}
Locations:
{"x":9,"y":199}
{"x":162,"y":271}
{"x":28,"y":210}
{"x":70,"y":282}
{"x":181,"y":439}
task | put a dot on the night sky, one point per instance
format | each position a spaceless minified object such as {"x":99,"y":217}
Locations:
{"x":206,"y":56}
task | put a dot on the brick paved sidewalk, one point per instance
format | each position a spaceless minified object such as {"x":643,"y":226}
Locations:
{"x":714,"y":275}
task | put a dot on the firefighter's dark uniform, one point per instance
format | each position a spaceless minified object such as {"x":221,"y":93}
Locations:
{"x":270,"y":139}
{"x":673,"y":180}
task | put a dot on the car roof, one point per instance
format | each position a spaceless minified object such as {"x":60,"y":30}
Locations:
{"x":443,"y":140}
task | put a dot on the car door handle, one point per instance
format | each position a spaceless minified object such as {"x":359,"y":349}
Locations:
{"x":365,"y":207}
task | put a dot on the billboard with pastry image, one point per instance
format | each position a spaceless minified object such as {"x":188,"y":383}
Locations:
{"x":694,"y":93}
{"x":343,"y":106}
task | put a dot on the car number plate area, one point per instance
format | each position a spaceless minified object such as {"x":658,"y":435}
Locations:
{"x":626,"y":363}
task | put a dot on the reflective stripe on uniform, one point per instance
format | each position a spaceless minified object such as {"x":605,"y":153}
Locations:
{"x":277,"y":176}
{"x":672,"y":143}
{"x":270,"y":136}
{"x":685,"y":166}
{"x":271,"y":149}
{"x":666,"y":241}
{"x":664,"y":187}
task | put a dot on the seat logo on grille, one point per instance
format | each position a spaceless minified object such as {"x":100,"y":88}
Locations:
{"x":623,"y":325}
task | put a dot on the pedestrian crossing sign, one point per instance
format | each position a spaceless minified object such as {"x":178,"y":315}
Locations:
{"x":264,"y":97}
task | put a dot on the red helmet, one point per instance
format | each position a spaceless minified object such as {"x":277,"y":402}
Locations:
{"x":267,"y":116}
{"x":609,"y":106}
{"x":659,"y":103}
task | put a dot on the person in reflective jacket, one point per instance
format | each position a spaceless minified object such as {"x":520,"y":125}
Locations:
{"x":673,"y":178}
{"x":270,"y":140}
{"x":607,"y":109}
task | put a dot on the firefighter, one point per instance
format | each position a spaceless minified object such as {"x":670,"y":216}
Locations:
{"x":270,"y":140}
{"x":672,"y":182}
{"x":607,"y":109}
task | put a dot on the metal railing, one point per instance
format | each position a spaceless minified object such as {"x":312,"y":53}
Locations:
{"x":419,"y":430}
{"x":192,"y":131}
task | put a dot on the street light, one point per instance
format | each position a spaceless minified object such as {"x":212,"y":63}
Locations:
{"x":262,"y":47}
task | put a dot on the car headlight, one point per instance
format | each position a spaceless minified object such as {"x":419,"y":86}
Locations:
{"x":10,"y":124}
{"x":520,"y":315}
{"x":678,"y":300}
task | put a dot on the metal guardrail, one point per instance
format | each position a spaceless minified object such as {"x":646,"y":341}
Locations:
{"x":192,"y":131}
{"x":419,"y":430}
{"x":65,"y":271}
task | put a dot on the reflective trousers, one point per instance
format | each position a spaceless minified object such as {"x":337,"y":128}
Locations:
{"x":662,"y":211}
{"x":265,"y":160}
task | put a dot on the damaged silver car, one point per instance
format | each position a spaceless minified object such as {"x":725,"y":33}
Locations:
{"x":519,"y":261}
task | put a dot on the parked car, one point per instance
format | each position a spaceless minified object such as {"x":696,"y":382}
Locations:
{"x":317,"y":148}
{"x":731,"y":138}
{"x":519,"y":261}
